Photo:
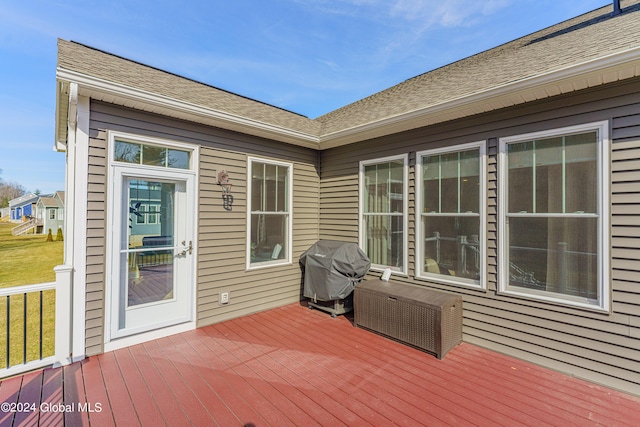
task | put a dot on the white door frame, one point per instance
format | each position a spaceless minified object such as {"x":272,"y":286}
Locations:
{"x":117,"y":173}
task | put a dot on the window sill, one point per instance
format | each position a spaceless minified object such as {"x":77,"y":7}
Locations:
{"x":571,"y":302}
{"x":444,"y":280}
{"x":267,"y":264}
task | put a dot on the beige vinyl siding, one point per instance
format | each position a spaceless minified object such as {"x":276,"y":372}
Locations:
{"x":96,"y":241}
{"x":625,"y":210}
{"x":221,"y":247}
{"x":601,"y":347}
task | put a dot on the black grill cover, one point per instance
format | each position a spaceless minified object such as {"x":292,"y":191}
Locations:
{"x":331,"y":269}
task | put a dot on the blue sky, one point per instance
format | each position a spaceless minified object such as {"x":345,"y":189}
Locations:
{"x":308,"y":56}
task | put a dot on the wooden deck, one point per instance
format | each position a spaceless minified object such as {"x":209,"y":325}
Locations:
{"x":295,"y":366}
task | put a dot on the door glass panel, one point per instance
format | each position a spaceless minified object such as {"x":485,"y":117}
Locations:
{"x":150,"y":242}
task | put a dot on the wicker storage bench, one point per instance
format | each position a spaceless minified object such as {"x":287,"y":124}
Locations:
{"x":423,"y":318}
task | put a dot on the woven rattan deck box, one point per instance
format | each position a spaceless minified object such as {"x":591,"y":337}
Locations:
{"x":427,"y":319}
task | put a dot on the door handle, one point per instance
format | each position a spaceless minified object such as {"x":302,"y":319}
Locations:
{"x":186,"y":249}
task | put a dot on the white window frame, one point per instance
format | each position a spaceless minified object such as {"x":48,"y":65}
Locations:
{"x":482,"y":206}
{"x":603,"y":301}
{"x":405,"y":211}
{"x":288,"y":259}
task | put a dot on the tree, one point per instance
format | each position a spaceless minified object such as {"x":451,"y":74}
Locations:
{"x":10,"y":191}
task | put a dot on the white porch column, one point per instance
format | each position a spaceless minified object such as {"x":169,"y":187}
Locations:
{"x":71,"y":277}
{"x":63,"y":355}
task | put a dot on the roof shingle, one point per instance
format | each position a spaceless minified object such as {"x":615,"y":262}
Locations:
{"x":593,"y":35}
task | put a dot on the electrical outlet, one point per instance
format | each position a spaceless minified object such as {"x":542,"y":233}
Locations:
{"x":224,"y":298}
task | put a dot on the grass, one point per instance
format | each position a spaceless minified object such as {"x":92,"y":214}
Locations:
{"x":26,"y":260}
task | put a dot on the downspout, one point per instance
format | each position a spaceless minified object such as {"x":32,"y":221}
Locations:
{"x":64,"y":273}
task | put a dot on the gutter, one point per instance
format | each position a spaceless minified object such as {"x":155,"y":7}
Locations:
{"x":614,"y":67}
{"x":92,"y":84}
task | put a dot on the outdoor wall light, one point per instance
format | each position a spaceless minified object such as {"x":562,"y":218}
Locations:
{"x":224,"y":181}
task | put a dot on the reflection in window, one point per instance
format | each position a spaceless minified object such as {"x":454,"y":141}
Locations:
{"x":151,"y":155}
{"x":270,"y":212}
{"x":552,"y":216}
{"x":450,"y":200}
{"x":383,"y":213}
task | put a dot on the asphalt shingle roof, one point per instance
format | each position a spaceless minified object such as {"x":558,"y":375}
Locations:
{"x":593,"y":35}
{"x":589,"y":36}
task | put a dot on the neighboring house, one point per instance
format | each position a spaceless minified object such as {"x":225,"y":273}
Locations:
{"x":23,"y":208}
{"x":5,"y":212}
{"x":50,"y":213}
{"x":511,"y":178}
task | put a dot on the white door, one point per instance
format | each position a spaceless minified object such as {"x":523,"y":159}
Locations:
{"x":152,"y":258}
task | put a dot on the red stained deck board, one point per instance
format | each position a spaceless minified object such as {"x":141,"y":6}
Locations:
{"x":119,"y":398}
{"x":161,"y":392}
{"x":283,"y":407}
{"x":73,"y":391}
{"x":262,"y":408}
{"x":96,"y":393}
{"x":237,"y":407}
{"x":312,"y":372}
{"x":52,"y":395}
{"x":141,"y":397}
{"x":245,"y":386}
{"x":428,"y":375}
{"x":195,"y":410}
{"x":444,"y":377}
{"x":327,"y":372}
{"x":546,"y":391}
{"x":9,"y":392}
{"x":553,"y":392}
{"x":373,"y":368}
{"x":30,"y":393}
{"x":205,"y":393}
{"x":256,"y":357}
{"x":294,"y":366}
{"x":334,"y":409}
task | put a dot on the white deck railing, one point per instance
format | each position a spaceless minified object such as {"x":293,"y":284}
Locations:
{"x":16,"y":304}
{"x":17,"y":315}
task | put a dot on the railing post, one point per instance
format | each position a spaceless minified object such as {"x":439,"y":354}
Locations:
{"x":64,"y":274}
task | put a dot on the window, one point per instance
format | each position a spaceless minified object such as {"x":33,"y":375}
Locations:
{"x":383,"y":212}
{"x":270,"y":207}
{"x":554,"y":203}
{"x":450,"y":202}
{"x":52,"y":214}
{"x":150,"y":155}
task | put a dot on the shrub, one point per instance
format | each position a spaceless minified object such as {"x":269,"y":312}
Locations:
{"x":59,"y":237}
{"x":49,"y":236}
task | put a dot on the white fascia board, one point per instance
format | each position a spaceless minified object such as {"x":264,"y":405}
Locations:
{"x":193,"y":110}
{"x":618,"y":66}
{"x":60,"y":144}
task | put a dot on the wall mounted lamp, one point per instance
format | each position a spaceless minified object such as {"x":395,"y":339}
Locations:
{"x":224,"y":181}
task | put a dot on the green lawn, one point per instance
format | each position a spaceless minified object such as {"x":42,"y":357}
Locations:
{"x":27,"y":260}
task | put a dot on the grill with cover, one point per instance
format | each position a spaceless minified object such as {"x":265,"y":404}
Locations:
{"x":331,"y":270}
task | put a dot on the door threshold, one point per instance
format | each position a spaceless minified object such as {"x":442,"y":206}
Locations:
{"x":143,"y":337}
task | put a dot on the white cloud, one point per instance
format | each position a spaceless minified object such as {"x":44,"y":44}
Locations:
{"x":446,"y":13}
